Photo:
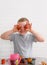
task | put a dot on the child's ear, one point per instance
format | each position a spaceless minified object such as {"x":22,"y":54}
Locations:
{"x":30,"y":23}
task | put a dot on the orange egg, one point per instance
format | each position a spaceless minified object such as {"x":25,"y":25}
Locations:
{"x":29,"y":60}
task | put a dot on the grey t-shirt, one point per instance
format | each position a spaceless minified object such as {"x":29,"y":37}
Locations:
{"x":23,"y":43}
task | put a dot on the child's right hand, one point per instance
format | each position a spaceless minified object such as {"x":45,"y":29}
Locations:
{"x":15,"y":28}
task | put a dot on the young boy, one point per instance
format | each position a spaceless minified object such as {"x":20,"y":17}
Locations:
{"x":22,"y":40}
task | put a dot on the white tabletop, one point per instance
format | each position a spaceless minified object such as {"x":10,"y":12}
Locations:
{"x":39,"y":60}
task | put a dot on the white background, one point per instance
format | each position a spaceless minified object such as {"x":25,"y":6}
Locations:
{"x":35,"y":11}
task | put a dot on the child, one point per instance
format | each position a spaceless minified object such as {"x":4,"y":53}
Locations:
{"x":22,"y":40}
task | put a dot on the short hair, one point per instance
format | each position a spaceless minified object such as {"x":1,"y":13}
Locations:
{"x":23,"y":19}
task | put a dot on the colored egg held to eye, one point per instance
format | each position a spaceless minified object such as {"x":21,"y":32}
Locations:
{"x":27,"y":26}
{"x":18,"y":27}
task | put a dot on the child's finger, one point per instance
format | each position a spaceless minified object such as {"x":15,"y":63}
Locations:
{"x":15,"y":26}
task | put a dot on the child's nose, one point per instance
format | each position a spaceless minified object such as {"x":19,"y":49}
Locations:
{"x":22,"y":28}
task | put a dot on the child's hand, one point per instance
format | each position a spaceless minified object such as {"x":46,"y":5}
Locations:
{"x":29,"y":27}
{"x":15,"y":28}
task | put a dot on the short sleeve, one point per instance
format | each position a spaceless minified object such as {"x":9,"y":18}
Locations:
{"x":12,"y":37}
{"x":33,"y":38}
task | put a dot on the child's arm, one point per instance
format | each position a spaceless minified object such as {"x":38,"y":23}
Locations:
{"x":6,"y":35}
{"x":37,"y":36}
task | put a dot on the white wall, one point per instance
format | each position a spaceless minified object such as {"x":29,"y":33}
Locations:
{"x":34,"y":10}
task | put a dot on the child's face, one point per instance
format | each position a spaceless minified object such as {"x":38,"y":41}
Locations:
{"x":22,"y":27}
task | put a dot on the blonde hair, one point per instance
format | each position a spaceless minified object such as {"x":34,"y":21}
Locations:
{"x":23,"y":19}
